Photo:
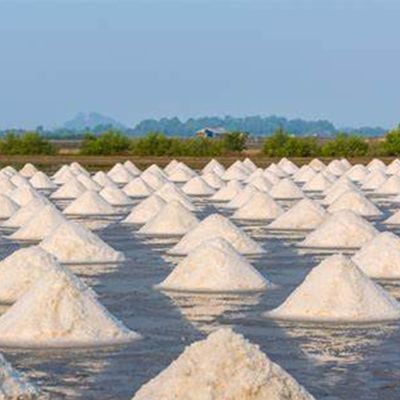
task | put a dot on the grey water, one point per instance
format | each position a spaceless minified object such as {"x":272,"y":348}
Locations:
{"x":331,"y":361}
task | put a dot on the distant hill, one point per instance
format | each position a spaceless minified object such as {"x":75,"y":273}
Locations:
{"x":91,"y":121}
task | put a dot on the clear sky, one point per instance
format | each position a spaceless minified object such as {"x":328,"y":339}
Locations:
{"x":131,"y":60}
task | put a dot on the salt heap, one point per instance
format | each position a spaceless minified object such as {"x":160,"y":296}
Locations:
{"x":243,"y":197}
{"x":28,"y":170}
{"x":318,"y":183}
{"x":138,"y":188}
{"x":304,"y":174}
{"x":373,"y":180}
{"x":228,"y":192}
{"x":276,"y":170}
{"x":73,"y":243}
{"x":261,"y":206}
{"x":115,"y":196}
{"x":132,"y":168}
{"x":337,"y":290}
{"x":197,"y":187}
{"x":89,"y":203}
{"x":171,"y":192}
{"x":336,"y":168}
{"x":70,"y":190}
{"x":317,"y":165}
{"x":179,"y":175}
{"x":173,"y":219}
{"x":344,"y":229}
{"x":6,"y":187}
{"x":153,"y":180}
{"x":337,"y":189}
{"x":171,"y":166}
{"x":77,"y":169}
{"x":357,"y":173}
{"x":59,"y":310}
{"x":26,"y":212}
{"x":214,"y":166}
{"x":42,"y":181}
{"x":354,"y":201}
{"x":273,"y":178}
{"x":155,"y":169}
{"x":103,"y":180}
{"x":390,"y":186}
{"x":235,"y":171}
{"x":212,"y":179}
{"x":223,"y":366}
{"x":394,"y":167}
{"x":89,"y":183}
{"x":24,"y":194}
{"x":63,"y":175}
{"x":19,"y":181}
{"x":376,"y":164}
{"x":145,"y":210}
{"x":249,"y":164}
{"x":217,"y":226}
{"x":287,"y":166}
{"x":393,"y":219}
{"x":286,"y":189}
{"x":119,"y":174}
{"x":380,"y":257}
{"x":8,"y":207}
{"x":42,"y":223}
{"x":305,"y":215}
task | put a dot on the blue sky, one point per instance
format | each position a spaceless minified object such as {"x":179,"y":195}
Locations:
{"x":322,"y":59}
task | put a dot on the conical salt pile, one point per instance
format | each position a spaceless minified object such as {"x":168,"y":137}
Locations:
{"x":171,"y":192}
{"x":70,"y":190}
{"x":223,"y":366}
{"x":357,"y":173}
{"x":261,"y":183}
{"x":173,"y":219}
{"x":6,"y":186}
{"x":115,"y":196}
{"x":8,"y":207}
{"x":380,"y":257}
{"x":138,"y":188}
{"x":145,"y":210}
{"x":26,"y":212}
{"x":355,"y":201}
{"x":228,"y":192}
{"x":77,"y":169}
{"x":304,"y":174}
{"x":259,"y":172}
{"x":373,"y":180}
{"x":336,"y":168}
{"x":235,"y":171}
{"x":132,"y":168}
{"x":337,"y":290}
{"x":103,"y":180}
{"x":376,"y":164}
{"x":344,"y":229}
{"x":214,"y":267}
{"x":276,"y":170}
{"x":19,"y":181}
{"x":273,"y":178}
{"x":24,"y":194}
{"x":89,"y":203}
{"x":197,"y":187}
{"x":155,"y":169}
{"x":28,"y":170}
{"x":393,"y":219}
{"x":73,"y":243}
{"x":63,"y":175}
{"x":42,"y":223}
{"x":318,"y":184}
{"x":337,"y":190}
{"x":59,"y":310}
{"x":120,"y":174}
{"x":89,"y":183}
{"x":317,"y":164}
{"x":391,"y":186}
{"x":42,"y":181}
{"x":213,"y":180}
{"x":153,"y":180}
{"x":171,"y":166}
{"x":261,"y":206}
{"x":288,"y":166}
{"x":304,"y":215}
{"x":243,"y":197}
{"x":392,"y":168}
{"x":249,"y":164}
{"x":286,"y":189}
{"x":180,"y":175}
{"x":214,"y":166}
{"x":217,"y":226}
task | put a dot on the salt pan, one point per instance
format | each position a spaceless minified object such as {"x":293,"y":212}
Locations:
{"x":261,"y":206}
{"x":90,"y":203}
{"x":145,"y":210}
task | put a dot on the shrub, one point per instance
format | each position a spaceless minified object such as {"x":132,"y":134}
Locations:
{"x":111,"y":142}
{"x":391,"y":145}
{"x":345,"y":146}
{"x":30,"y":143}
{"x":235,"y":142}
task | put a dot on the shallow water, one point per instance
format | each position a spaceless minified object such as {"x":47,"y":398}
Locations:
{"x":331,"y":361}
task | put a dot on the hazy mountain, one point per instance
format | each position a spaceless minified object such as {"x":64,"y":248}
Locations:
{"x":91,"y":121}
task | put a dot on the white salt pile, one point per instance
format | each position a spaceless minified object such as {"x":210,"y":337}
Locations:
{"x":42,"y":223}
{"x":286,"y":189}
{"x":255,"y":174}
{"x":179,"y":175}
{"x":344,"y":229}
{"x":249,"y":164}
{"x":70,"y":190}
{"x":276,"y":170}
{"x":273,"y":178}
{"x":223,"y":366}
{"x":336,"y":168}
{"x":305,"y":215}
{"x":155,"y":169}
{"x":197,"y":187}
{"x":380,"y":257}
{"x":393,"y":219}
{"x":120,"y":174}
{"x":8,"y":207}
{"x":288,"y":166}
{"x":261,"y":183}
{"x":28,"y":170}
{"x":63,"y":175}
{"x":89,"y":183}
{"x":153,"y":180}
{"x":357,"y":173}
{"x":213,"y":180}
{"x":217,"y":226}
{"x":73,"y":243}
{"x":235,"y":171}
{"x":103,"y":180}
{"x":317,"y":165}
{"x":77,"y":169}
{"x":145,"y":210}
{"x":337,"y":290}
{"x":26,"y":212}
{"x":171,"y":166}
{"x":18,"y":180}
{"x":59,"y":310}
{"x":89,"y":203}
{"x":214,"y":266}
{"x":24,"y":194}
{"x":132,"y":168}
{"x":337,"y":189}
{"x":376,"y":164}
{"x":9,"y":170}
{"x":172,"y":219}
{"x":115,"y":196}
{"x":394,"y":167}
{"x":228,"y":192}
{"x":214,"y":166}
{"x":6,"y":187}
{"x":171,"y":192}
{"x":183,"y":167}
{"x":346,"y":163}
{"x":243,"y":197}
{"x":261,"y":206}
{"x":355,"y":201}
{"x":304,"y":174}
{"x":391,"y":186}
{"x":373,"y":180}
{"x":42,"y":181}
{"x":318,"y":183}
{"x":138,"y":188}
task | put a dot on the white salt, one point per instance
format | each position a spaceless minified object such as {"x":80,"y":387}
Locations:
{"x":318,"y":184}
{"x":183,"y":167}
{"x":217,"y":226}
{"x":28,"y":170}
{"x":393,"y":167}
{"x":115,"y":196}
{"x":336,"y":190}
{"x":6,"y":186}
{"x":213,"y":180}
{"x":288,"y":166}
{"x":393,"y":219}
{"x":171,"y":166}
{"x":73,"y":243}
{"x":103,"y":179}
{"x":24,"y":194}
{"x":214,"y":166}
{"x":132,"y":168}
{"x":317,"y":164}
{"x":26,"y":212}
{"x":89,"y":203}
{"x":89,"y":183}
{"x":273,"y":178}
{"x":373,"y":180}
{"x":261,"y":183}
{"x":261,"y":206}
{"x":70,"y":190}
{"x":243,"y":197}
{"x":9,"y":170}
{"x":145,"y":210}
{"x":171,"y":192}
{"x":304,"y":215}
{"x":8,"y":207}
{"x":197,"y":187}
{"x":304,"y":174}
{"x":390,"y":186}
{"x":120,"y":174}
{"x":77,"y":169}
{"x":276,"y":170}
{"x":172,"y":219}
{"x":337,"y":290}
{"x":235,"y":171}
{"x":344,"y":229}
{"x":19,"y":181}
{"x":155,"y":169}
{"x":138,"y":188}
{"x":286,"y":189}
{"x":335,"y":167}
{"x":228,"y":192}
{"x":249,"y":164}
{"x":179,"y":175}
{"x":64,"y":175}
{"x":153,"y":180}
{"x":376,"y":164}
{"x":42,"y":181}
{"x":223,"y":366}
{"x":357,"y":173}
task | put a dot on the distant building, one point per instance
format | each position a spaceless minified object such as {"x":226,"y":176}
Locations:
{"x":211,"y":133}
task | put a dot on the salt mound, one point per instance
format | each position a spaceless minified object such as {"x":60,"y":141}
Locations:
{"x":276,"y":170}
{"x":317,"y":165}
{"x":304,"y":215}
{"x":89,"y":183}
{"x":103,"y":180}
{"x":171,"y":166}
{"x":155,"y":169}
{"x":77,"y":169}
{"x":261,"y":183}
{"x":6,"y":187}
{"x":223,"y":366}
{"x":336,"y":168}
{"x":42,"y":223}
{"x":337,"y":290}
{"x":344,"y":229}
{"x":183,"y":167}
{"x":59,"y":310}
{"x":217,"y":226}
{"x":354,"y":201}
{"x":288,"y":166}
{"x":357,"y":173}
{"x":153,"y":180}
{"x":19,"y":181}
{"x":172,"y":219}
{"x":41,"y":181}
{"x":373,"y":180}
{"x":24,"y":194}
{"x":213,"y":180}
{"x":380,"y":257}
{"x":119,"y":174}
{"x":132,"y":168}
{"x":261,"y":206}
{"x":346,"y":163}
{"x":179,"y":175}
{"x":197,"y":187}
{"x":115,"y":196}
{"x":243,"y":197}
{"x":21,"y":269}
{"x":63,"y":175}
{"x":9,"y":170}
{"x":214,"y":166}
{"x":318,"y":184}
{"x":249,"y":164}
{"x":273,"y":178}
{"x":70,"y":190}
{"x":138,"y":188}
{"x":391,"y":186}
{"x":8,"y":207}
{"x":259,"y":172}
{"x":89,"y":203}
{"x":376,"y":164}
{"x":286,"y":189}
{"x":171,"y":192}
{"x":28,"y":170}
{"x":228,"y":192}
{"x":393,"y":167}
{"x":73,"y":243}
{"x":235,"y":171}
{"x":393,"y":219}
{"x":337,"y":190}
{"x":145,"y":210}
{"x":304,"y":174}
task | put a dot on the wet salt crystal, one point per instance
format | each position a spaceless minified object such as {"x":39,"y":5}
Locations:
{"x":8,"y":207}
{"x":42,"y":181}
{"x":28,"y":170}
{"x":171,"y":192}
{"x":286,"y":189}
{"x":261,"y":206}
{"x":70,"y":190}
{"x":138,"y":188}
{"x":197,"y":187}
{"x":89,"y":203}
{"x":145,"y":210}
{"x":337,"y":290}
{"x":115,"y":196}
{"x":228,"y":192}
{"x":103,"y":179}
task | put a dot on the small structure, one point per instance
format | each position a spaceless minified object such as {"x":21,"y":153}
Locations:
{"x":211,"y":132}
